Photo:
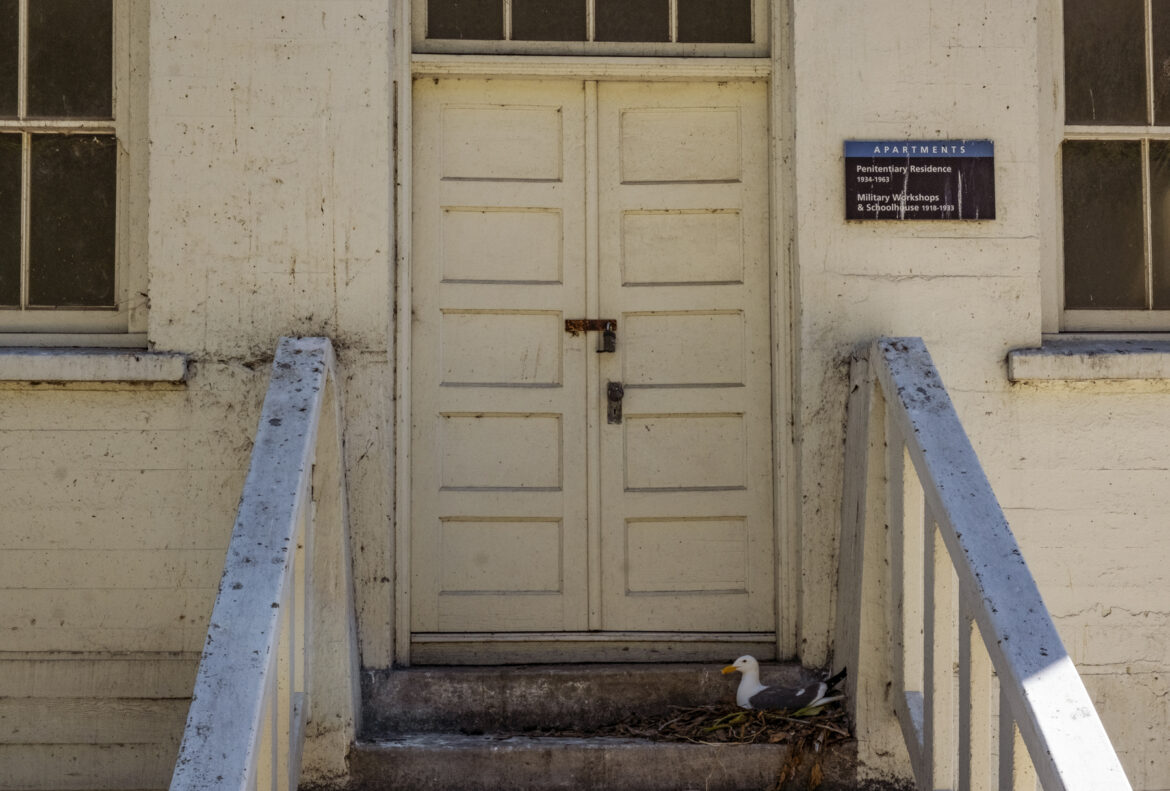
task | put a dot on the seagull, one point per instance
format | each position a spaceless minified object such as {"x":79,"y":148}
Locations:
{"x":751,"y":694}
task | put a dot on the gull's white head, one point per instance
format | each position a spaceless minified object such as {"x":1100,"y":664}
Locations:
{"x":746,"y":664}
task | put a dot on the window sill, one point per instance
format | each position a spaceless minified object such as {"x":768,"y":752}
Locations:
{"x":1083,"y":360}
{"x":91,"y":365}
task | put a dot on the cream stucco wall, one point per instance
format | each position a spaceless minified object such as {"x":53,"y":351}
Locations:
{"x":275,"y":118}
{"x":270,"y":213}
{"x":970,"y":289}
{"x":1082,"y":470}
{"x":1084,"y":479}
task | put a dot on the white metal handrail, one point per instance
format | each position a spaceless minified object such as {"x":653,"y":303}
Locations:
{"x":945,"y":587}
{"x":280,"y":651}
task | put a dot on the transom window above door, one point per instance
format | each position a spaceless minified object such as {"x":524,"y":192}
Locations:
{"x":716,"y":28}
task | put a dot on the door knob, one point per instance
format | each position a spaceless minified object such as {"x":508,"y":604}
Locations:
{"x":614,"y":393}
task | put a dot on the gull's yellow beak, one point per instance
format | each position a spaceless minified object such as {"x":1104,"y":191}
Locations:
{"x":728,"y":669}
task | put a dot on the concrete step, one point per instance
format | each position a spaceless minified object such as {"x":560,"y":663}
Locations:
{"x":472,"y":729}
{"x":517,"y":763}
{"x":475,"y":700}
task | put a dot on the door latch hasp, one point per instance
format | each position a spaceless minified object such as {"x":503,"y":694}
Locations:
{"x":576,"y":326}
{"x":607,"y":328}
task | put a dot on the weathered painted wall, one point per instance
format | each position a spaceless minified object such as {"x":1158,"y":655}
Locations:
{"x":275,"y":117}
{"x":269,"y":215}
{"x":1082,"y":470}
{"x":111,"y":543}
{"x":270,"y":212}
{"x":970,"y":289}
{"x":1085,"y":482}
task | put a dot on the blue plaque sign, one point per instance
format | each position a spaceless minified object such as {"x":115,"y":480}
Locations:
{"x":919,"y":180}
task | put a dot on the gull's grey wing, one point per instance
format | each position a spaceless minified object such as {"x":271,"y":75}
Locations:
{"x":787,"y":698}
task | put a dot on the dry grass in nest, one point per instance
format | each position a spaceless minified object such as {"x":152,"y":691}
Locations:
{"x":726,"y":725}
{"x":806,"y":736}
{"x":721,"y":724}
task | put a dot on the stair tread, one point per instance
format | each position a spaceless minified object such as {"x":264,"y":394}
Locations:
{"x":520,"y":698}
{"x":551,"y":728}
{"x":488,"y":762}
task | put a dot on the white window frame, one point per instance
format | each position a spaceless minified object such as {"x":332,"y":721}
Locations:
{"x":126,"y":324}
{"x":1057,"y":318}
{"x":760,"y":45}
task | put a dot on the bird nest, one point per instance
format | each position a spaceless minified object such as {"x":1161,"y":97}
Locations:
{"x":722,"y":724}
{"x":807,"y":734}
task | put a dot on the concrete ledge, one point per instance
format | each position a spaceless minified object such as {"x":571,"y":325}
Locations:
{"x":1088,"y":360}
{"x":91,"y":365}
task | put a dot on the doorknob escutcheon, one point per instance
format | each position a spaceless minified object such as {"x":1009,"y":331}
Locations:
{"x":614,"y":393}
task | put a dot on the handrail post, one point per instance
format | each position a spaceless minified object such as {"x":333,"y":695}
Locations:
{"x":906,"y":517}
{"x":975,"y":686}
{"x":938,"y":662}
{"x":864,"y":614}
{"x":1016,"y":772}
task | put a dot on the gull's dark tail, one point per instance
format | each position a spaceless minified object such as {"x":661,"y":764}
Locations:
{"x":835,"y":680}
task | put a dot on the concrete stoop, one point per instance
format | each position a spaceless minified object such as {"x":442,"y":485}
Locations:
{"x":545,"y":763}
{"x":472,"y":729}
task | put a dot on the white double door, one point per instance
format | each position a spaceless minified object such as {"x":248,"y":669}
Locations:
{"x":537,"y":202}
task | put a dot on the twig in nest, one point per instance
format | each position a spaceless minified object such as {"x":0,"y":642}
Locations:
{"x":724,"y":725}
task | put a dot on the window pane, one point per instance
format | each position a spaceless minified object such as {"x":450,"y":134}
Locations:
{"x":1160,"y":220}
{"x":1161,"y":42}
{"x":715,"y":21}
{"x":10,"y":220}
{"x":1103,"y":243}
{"x":632,"y":20}
{"x":548,"y":20}
{"x":8,"y":43}
{"x":1104,"y":62}
{"x":71,"y":255}
{"x":478,"y":19}
{"x":70,"y":58}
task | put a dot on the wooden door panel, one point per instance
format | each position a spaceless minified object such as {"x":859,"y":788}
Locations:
{"x":497,"y":476}
{"x":508,"y":139}
{"x":686,"y":478}
{"x":684,"y":348}
{"x":666,"y":247}
{"x":480,"y":245}
{"x":676,"y":451}
{"x":478,"y":347}
{"x":720,"y":565}
{"x":679,"y":144}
